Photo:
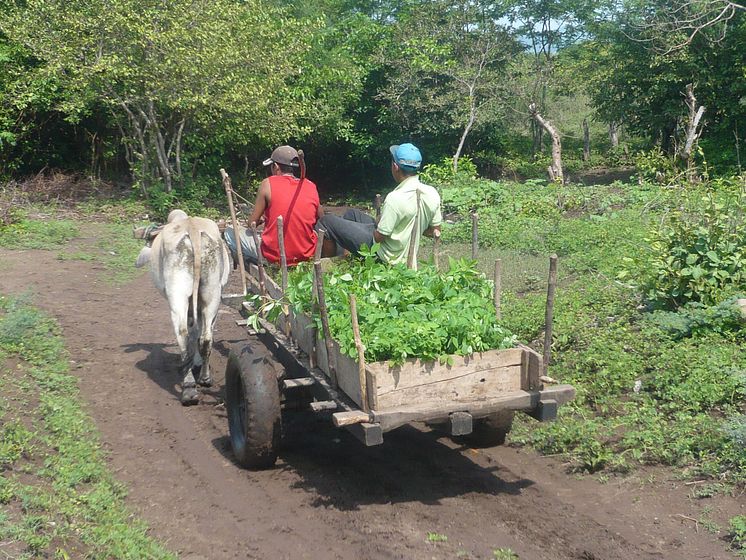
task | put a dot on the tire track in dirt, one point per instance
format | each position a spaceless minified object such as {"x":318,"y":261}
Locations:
{"x":328,"y":497}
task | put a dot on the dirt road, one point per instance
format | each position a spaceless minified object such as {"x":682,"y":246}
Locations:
{"x":328,"y":497}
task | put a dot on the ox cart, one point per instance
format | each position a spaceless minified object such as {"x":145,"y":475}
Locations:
{"x":474,"y":397}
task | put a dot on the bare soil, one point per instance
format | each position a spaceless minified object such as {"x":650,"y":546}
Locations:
{"x":328,"y":496}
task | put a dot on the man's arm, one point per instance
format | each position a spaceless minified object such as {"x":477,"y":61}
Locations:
{"x":320,"y":212}
{"x":262,"y":201}
{"x":378,"y":236}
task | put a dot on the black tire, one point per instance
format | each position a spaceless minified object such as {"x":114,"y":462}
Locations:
{"x":490,"y":430}
{"x":252,"y":399}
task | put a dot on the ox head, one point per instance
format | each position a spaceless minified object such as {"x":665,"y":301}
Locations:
{"x":176,"y":215}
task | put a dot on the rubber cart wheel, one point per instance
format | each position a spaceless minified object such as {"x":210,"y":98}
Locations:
{"x":490,"y":430}
{"x":252,"y":399}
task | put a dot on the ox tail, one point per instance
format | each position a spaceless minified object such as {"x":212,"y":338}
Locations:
{"x":195,"y":234}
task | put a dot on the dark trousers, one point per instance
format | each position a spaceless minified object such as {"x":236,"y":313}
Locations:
{"x":353,"y":230}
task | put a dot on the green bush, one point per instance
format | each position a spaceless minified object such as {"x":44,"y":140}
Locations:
{"x":693,"y":318}
{"x":654,"y":165}
{"x":698,"y":253}
{"x":738,"y":533}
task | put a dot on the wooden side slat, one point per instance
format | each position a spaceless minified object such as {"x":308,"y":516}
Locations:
{"x":414,"y":373}
{"x":531,"y":369}
{"x":468,"y":387}
{"x":425,"y":412}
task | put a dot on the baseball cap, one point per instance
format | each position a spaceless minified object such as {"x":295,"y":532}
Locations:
{"x":285,"y":155}
{"x":406,"y":155}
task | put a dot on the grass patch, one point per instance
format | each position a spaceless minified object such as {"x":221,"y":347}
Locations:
{"x":59,"y":500}
{"x":118,"y":251}
{"x":38,"y":234}
{"x":653,"y":387}
{"x":738,"y":534}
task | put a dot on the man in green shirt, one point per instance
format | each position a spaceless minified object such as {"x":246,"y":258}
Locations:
{"x":395,"y":229}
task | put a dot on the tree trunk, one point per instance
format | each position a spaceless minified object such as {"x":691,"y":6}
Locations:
{"x":467,"y":128}
{"x":693,"y":131}
{"x":160,"y":146}
{"x":555,"y":170}
{"x":586,"y":141}
{"x":537,"y":133}
{"x":176,"y":140}
{"x":139,"y":135}
{"x":613,"y":135}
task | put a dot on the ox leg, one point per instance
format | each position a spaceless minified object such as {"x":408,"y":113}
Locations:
{"x":207,"y":323}
{"x":179,"y":317}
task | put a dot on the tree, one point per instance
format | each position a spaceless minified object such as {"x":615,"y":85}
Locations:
{"x":675,"y":23}
{"x":162,"y":67}
{"x":444,"y":68}
{"x":642,"y":88}
{"x":548,"y":26}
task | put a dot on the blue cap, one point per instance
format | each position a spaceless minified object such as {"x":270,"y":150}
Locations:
{"x":406,"y":155}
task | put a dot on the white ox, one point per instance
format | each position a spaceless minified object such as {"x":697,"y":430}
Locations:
{"x":190,"y":266}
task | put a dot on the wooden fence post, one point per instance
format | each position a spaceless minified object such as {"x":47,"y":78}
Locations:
{"x":474,"y":235}
{"x":549,"y":315}
{"x":498,"y":287}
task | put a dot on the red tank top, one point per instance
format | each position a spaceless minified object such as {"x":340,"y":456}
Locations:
{"x":299,"y":210}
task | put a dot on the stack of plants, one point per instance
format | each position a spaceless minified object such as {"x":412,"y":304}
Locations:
{"x":405,"y":313}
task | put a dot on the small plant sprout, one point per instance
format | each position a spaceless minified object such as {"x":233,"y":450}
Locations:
{"x":436,"y":537}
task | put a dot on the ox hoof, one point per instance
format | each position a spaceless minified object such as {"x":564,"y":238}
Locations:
{"x":202,"y":381}
{"x":189,"y":396}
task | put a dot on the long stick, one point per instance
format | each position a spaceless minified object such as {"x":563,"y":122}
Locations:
{"x":498,"y":287}
{"x":325,"y":321}
{"x":549,"y":316}
{"x":377,"y":206}
{"x":283,"y":256}
{"x":474,"y":235}
{"x":436,"y":249}
{"x":412,"y":256}
{"x":360,"y":354}
{"x":283,"y":272}
{"x":236,"y":234}
{"x":259,"y":259}
{"x":315,"y":295}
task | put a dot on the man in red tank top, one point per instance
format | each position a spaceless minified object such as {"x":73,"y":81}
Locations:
{"x":282,"y":194}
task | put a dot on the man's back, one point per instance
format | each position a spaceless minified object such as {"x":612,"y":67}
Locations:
{"x":398,"y":217}
{"x":299,"y":211}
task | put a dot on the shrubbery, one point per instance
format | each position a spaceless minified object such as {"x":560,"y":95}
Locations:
{"x":697,"y":253}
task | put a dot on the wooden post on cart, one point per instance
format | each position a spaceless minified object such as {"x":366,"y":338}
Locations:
{"x":259,"y":260}
{"x":315,"y":296}
{"x":549,"y":315}
{"x":236,"y":234}
{"x":283,"y":272}
{"x":360,"y":355}
{"x":325,"y":320}
{"x":416,"y":233}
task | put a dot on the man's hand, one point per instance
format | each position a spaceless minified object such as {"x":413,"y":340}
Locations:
{"x":432,"y":231}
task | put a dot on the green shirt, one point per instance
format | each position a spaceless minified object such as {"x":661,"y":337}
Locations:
{"x":398,"y":216}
